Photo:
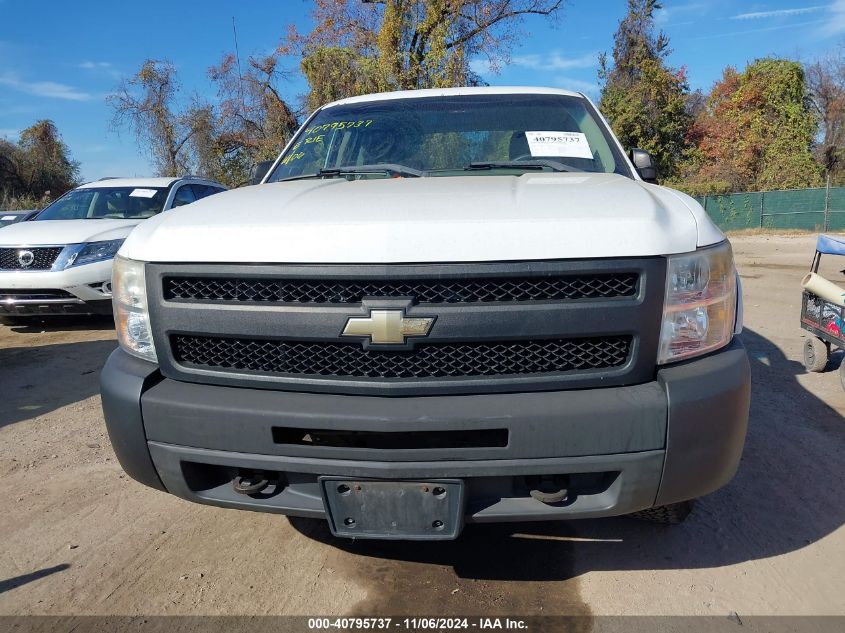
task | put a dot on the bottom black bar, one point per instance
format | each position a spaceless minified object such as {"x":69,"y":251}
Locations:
{"x":728,"y":623}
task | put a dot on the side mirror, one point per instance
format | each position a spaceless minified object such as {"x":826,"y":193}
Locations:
{"x":644,"y":163}
{"x":259,"y":170}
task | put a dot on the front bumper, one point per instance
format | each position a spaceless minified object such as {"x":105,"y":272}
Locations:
{"x":76,"y":290}
{"x":622,"y":449}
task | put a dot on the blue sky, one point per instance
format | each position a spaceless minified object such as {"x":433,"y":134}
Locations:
{"x":59,"y":60}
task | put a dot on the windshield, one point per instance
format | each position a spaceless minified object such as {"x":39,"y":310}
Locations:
{"x":455,"y":135}
{"x":11,"y":218}
{"x":120,"y":203}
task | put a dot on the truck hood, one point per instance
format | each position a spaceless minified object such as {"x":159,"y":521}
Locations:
{"x":435,"y":219}
{"x":54,"y":232}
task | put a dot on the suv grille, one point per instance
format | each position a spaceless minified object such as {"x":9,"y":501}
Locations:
{"x":44,"y":257}
{"x":540,"y":288}
{"x":426,"y":361}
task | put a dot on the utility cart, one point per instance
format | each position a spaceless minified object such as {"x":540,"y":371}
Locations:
{"x":823,"y":316}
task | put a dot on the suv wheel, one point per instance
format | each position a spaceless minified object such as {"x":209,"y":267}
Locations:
{"x":670,"y":514}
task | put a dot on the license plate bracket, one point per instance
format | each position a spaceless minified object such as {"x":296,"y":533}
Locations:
{"x":394,"y":509}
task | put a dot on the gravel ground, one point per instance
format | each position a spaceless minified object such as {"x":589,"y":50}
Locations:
{"x":80,"y":537}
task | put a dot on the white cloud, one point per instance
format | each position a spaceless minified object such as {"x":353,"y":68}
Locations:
{"x":555,"y":61}
{"x":578,"y":85}
{"x":103,"y":68}
{"x":50,"y":89}
{"x":835,"y":23}
{"x":93,"y":65}
{"x":480,"y":66}
{"x":778,"y":13}
{"x":792,"y":25}
{"x":669,"y":16}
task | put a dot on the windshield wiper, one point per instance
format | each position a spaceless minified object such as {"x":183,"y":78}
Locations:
{"x":536,"y":163}
{"x":354,"y":170}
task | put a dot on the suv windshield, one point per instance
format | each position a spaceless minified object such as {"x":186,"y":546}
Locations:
{"x":121,"y":203}
{"x":453,"y":135}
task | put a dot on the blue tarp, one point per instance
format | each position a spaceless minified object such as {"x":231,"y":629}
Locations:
{"x":831,"y":245}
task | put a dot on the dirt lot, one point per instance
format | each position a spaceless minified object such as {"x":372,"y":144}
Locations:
{"x":79,"y":537}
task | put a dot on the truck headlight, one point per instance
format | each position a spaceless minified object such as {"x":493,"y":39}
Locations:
{"x":699,"y":309}
{"x":91,"y":252}
{"x":131,"y":316}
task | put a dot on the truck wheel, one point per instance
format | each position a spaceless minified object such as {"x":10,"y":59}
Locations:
{"x":670,"y":514}
{"x":816,"y":352}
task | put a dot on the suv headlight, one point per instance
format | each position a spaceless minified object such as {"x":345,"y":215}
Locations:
{"x":91,"y":252}
{"x":699,"y":309}
{"x":131,"y":316}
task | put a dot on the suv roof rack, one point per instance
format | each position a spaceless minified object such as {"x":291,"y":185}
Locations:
{"x":109,"y":178}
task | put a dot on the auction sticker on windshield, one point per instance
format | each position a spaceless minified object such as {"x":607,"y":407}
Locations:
{"x":143,"y":193}
{"x":571,"y":144}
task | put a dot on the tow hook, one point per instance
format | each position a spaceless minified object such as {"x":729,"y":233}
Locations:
{"x":549,"y":489}
{"x":250,"y":484}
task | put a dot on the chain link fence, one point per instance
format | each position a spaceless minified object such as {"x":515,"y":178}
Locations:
{"x":819,"y":209}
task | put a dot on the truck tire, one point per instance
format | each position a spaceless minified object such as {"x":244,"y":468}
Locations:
{"x":671,"y":514}
{"x":816,"y":353}
{"x":842,"y":373}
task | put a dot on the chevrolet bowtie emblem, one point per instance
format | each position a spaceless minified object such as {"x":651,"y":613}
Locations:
{"x":388,"y":327}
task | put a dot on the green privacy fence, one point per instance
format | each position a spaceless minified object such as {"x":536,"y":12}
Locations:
{"x":808,"y":209}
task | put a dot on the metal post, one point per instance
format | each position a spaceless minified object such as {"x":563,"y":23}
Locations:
{"x":762,"y":196}
{"x":827,"y":204}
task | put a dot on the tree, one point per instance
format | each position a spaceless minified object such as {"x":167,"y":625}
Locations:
{"x":13,"y":162}
{"x":147,"y":104}
{"x":358,"y":47}
{"x":253,"y":121}
{"x":756,"y":132}
{"x":334,"y":73}
{"x":37,"y":168}
{"x":647,"y":102}
{"x":826,"y":86}
{"x":47,"y":167}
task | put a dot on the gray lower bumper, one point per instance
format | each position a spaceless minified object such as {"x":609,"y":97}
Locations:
{"x":621,"y":449}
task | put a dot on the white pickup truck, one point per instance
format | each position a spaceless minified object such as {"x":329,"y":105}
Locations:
{"x":439,"y":307}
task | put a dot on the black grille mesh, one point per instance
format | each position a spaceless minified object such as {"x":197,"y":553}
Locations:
{"x":426,"y":361}
{"x":586,"y":286}
{"x":44,"y":258}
